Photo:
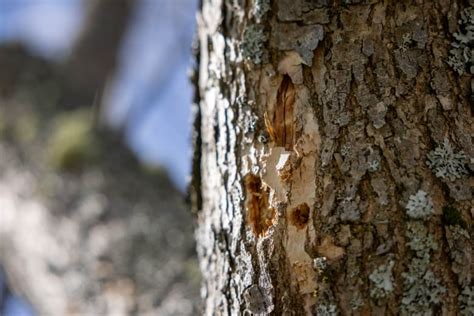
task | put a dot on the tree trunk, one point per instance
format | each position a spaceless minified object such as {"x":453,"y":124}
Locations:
{"x":333,"y":157}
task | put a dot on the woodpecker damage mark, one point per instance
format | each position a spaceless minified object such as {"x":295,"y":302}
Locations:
{"x":281,"y":127}
{"x":299,"y":216}
{"x":260,"y":216}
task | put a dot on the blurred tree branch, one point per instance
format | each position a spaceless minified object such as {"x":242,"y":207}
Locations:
{"x":96,"y":236}
{"x":94,"y":56}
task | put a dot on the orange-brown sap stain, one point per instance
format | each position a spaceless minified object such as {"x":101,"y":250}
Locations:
{"x":260,"y":216}
{"x":299,"y":216}
{"x":281,"y":126}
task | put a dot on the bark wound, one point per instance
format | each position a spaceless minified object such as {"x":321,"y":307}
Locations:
{"x":281,"y":129}
{"x":260,"y":216}
{"x":299,"y":216}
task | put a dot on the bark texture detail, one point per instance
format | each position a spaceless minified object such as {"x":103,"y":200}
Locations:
{"x":346,"y":121}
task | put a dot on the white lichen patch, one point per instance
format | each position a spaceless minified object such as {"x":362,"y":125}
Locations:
{"x":373,"y":165}
{"x":356,"y":302}
{"x":326,"y":310}
{"x":460,"y":251}
{"x":461,"y":56}
{"x":345,"y":150}
{"x":320,"y":264}
{"x":421,"y":288}
{"x":419,"y":206}
{"x":446,"y":163}
{"x":406,"y":42}
{"x":419,"y":240}
{"x":261,"y":8}
{"x":382,"y":280}
{"x":253,"y":43}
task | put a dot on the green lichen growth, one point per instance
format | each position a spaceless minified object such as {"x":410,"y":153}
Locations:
{"x":406,"y":42}
{"x":382,"y":281}
{"x":253,"y":43}
{"x":452,"y":217}
{"x":356,"y":302}
{"x":320,"y":264}
{"x":72,"y":144}
{"x":446,"y":163}
{"x":460,"y":251}
{"x":421,"y":293}
{"x":261,"y":8}
{"x":419,"y":206}
{"x":373,"y":165}
{"x":345,"y":150}
{"x":461,"y":56}
{"x":419,"y":240}
{"x":459,"y":232}
{"x":466,"y":301}
{"x":25,"y":128}
{"x":326,"y":310}
{"x":421,"y":288}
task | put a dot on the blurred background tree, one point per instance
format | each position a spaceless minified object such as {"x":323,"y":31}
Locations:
{"x":88,"y":225}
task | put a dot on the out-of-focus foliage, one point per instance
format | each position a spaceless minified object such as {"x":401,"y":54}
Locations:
{"x":92,"y":227}
{"x":72,"y":144}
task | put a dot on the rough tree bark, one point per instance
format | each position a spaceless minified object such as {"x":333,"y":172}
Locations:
{"x":334,"y":157}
